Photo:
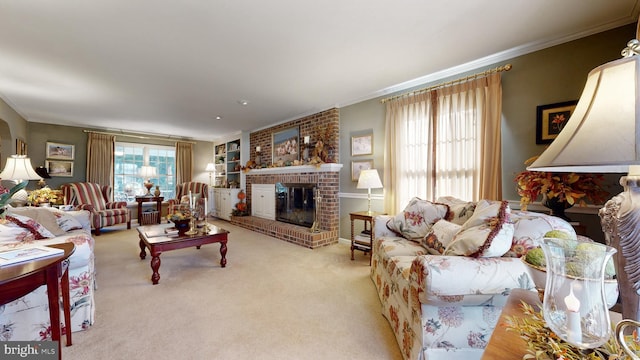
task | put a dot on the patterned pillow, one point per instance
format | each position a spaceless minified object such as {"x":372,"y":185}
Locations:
{"x":440,"y":236}
{"x":488,"y":233}
{"x":415,"y":220}
{"x":41,"y":216}
{"x":459,"y":210}
{"x":65,"y":219}
{"x":16,"y":229}
{"x":529,"y":230}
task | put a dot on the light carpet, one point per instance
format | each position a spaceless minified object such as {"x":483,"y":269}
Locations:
{"x":274,"y":300}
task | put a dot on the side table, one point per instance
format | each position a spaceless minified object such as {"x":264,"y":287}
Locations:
{"x":20,"y":279}
{"x":143,"y":199}
{"x":367,"y":217}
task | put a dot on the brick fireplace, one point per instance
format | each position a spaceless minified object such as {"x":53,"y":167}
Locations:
{"x":327,"y":180}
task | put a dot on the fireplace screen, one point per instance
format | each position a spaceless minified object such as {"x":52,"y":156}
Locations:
{"x":295,"y":203}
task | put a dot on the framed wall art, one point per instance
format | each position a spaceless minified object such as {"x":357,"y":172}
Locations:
{"x":362,"y":145}
{"x":21,"y":147}
{"x":550,"y":119}
{"x":60,"y":151}
{"x":285,"y":145}
{"x":358,"y":166}
{"x":59,"y":168}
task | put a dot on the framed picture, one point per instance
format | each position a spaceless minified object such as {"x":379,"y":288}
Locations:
{"x":362,"y":145}
{"x":59,"y":168}
{"x":21,"y":147}
{"x":285,"y":145}
{"x":60,"y":151}
{"x":358,"y":166}
{"x":550,"y":119}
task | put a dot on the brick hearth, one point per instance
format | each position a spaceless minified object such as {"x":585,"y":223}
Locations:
{"x":288,"y":232}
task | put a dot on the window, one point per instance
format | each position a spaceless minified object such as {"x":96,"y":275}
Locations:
{"x":129,"y":157}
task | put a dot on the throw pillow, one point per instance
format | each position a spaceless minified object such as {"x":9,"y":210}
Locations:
{"x":41,"y":216}
{"x":440,"y":236}
{"x":38,"y":231}
{"x":65,"y":219}
{"x":415,"y":220}
{"x":488,"y":233}
{"x":459,"y":210}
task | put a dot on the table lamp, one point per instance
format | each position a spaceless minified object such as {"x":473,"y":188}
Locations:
{"x":211,"y":167}
{"x":369,"y":179}
{"x":19,"y":169}
{"x":147,"y":172}
{"x":603,"y":136}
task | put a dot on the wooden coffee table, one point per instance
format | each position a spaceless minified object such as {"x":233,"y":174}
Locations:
{"x":157,"y":240}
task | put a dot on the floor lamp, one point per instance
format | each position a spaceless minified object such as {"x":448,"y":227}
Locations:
{"x":211,"y":168}
{"x":603,"y":136}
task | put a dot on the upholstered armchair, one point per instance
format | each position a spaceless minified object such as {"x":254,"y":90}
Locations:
{"x":97,"y":200}
{"x":181,"y":202}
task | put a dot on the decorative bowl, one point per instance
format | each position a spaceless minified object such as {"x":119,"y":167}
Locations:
{"x":182,"y":225}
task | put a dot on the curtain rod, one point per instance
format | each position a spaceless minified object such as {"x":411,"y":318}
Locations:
{"x":502,"y":68}
{"x":138,"y":136}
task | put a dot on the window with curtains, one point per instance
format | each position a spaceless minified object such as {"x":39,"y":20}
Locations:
{"x":128,"y":160}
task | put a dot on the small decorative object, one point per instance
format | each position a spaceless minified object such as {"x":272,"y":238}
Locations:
{"x":181,"y":221}
{"x":46,"y":195}
{"x":560,"y":191}
{"x":157,"y":192}
{"x":575,"y":306}
{"x":241,"y":206}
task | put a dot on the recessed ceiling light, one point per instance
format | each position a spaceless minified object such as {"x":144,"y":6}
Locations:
{"x":218,"y":117}
{"x":243,"y":102}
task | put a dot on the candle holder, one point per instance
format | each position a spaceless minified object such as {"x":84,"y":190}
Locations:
{"x":575,"y":304}
{"x":192,"y":223}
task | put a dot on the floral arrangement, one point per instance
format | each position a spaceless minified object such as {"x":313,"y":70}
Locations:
{"x":44,"y":195}
{"x":179,"y":215}
{"x":544,"y":344}
{"x":571,"y":188}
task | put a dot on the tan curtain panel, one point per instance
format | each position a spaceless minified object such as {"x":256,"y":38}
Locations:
{"x":184,"y":162}
{"x":100,"y":148}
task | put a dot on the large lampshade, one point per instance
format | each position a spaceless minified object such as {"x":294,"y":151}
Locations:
{"x":18,"y":168}
{"x":603,"y":133}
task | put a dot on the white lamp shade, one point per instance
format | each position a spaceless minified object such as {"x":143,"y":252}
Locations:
{"x":210,"y":167}
{"x":147,"y":171}
{"x":603,"y":133}
{"x":369,"y":179}
{"x":18,"y":167}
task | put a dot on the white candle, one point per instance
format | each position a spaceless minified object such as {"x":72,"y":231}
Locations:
{"x":306,"y":139}
{"x":205,"y":208}
{"x":574,"y":330}
{"x":257,"y":148}
{"x":190,"y":200}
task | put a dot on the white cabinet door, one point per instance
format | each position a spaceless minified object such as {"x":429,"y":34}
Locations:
{"x":225,"y":202}
{"x":263,"y":201}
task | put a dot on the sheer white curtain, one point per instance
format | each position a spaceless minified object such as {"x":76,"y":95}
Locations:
{"x":445,"y":142}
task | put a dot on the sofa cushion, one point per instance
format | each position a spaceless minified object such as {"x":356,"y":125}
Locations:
{"x":459,"y":210}
{"x":440,"y":236}
{"x":488,"y":233}
{"x":415,"y":220}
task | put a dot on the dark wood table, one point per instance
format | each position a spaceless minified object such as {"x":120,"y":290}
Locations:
{"x":157,"y":240}
{"x":367,"y":217}
{"x":143,"y":199}
{"x":19,"y":279}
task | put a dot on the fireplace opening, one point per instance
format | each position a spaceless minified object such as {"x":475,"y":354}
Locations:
{"x":295,"y":203}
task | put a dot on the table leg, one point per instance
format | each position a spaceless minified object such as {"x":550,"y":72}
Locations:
{"x":159,"y":208}
{"x":352,"y":240}
{"x":53,"y":292}
{"x":139,"y":212}
{"x":66,"y":306}
{"x":223,"y":253}
{"x":143,"y":253}
{"x":155,"y":266}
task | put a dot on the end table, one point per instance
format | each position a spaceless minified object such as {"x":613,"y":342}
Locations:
{"x":367,"y":217}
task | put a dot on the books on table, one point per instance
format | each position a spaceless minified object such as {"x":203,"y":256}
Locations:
{"x":27,"y":253}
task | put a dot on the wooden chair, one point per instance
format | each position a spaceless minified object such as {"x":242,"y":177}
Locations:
{"x":97,"y":200}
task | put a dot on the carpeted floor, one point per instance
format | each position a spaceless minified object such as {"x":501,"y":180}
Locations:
{"x":274,"y":300}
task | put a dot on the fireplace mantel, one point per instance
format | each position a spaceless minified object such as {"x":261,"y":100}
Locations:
{"x":297,"y":169}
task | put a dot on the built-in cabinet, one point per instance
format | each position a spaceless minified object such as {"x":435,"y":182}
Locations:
{"x":227,"y":164}
{"x":224,"y":201}
{"x":263,"y":201}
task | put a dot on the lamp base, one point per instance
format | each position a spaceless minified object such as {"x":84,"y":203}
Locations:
{"x":148,"y":184}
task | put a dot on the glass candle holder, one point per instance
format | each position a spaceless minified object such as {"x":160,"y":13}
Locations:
{"x":575,"y":305}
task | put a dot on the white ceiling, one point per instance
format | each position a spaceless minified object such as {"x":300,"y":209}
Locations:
{"x":170,"y":67}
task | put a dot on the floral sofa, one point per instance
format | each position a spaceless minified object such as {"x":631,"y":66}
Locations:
{"x":444,"y":270}
{"x":27,"y":318}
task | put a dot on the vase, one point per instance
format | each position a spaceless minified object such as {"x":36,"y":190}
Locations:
{"x":157,"y":192}
{"x":556,"y":207}
{"x":182,"y":225}
{"x":575,"y":305}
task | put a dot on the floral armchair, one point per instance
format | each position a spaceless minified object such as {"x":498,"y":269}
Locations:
{"x":181,"y":203}
{"x":96,"y":199}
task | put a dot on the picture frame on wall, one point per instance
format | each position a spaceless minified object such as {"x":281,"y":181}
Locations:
{"x":357,"y":166}
{"x":285,"y":145}
{"x":21,"y":147}
{"x":362,"y":145}
{"x":60,"y":151}
{"x":59,"y":168}
{"x":551,"y":119}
